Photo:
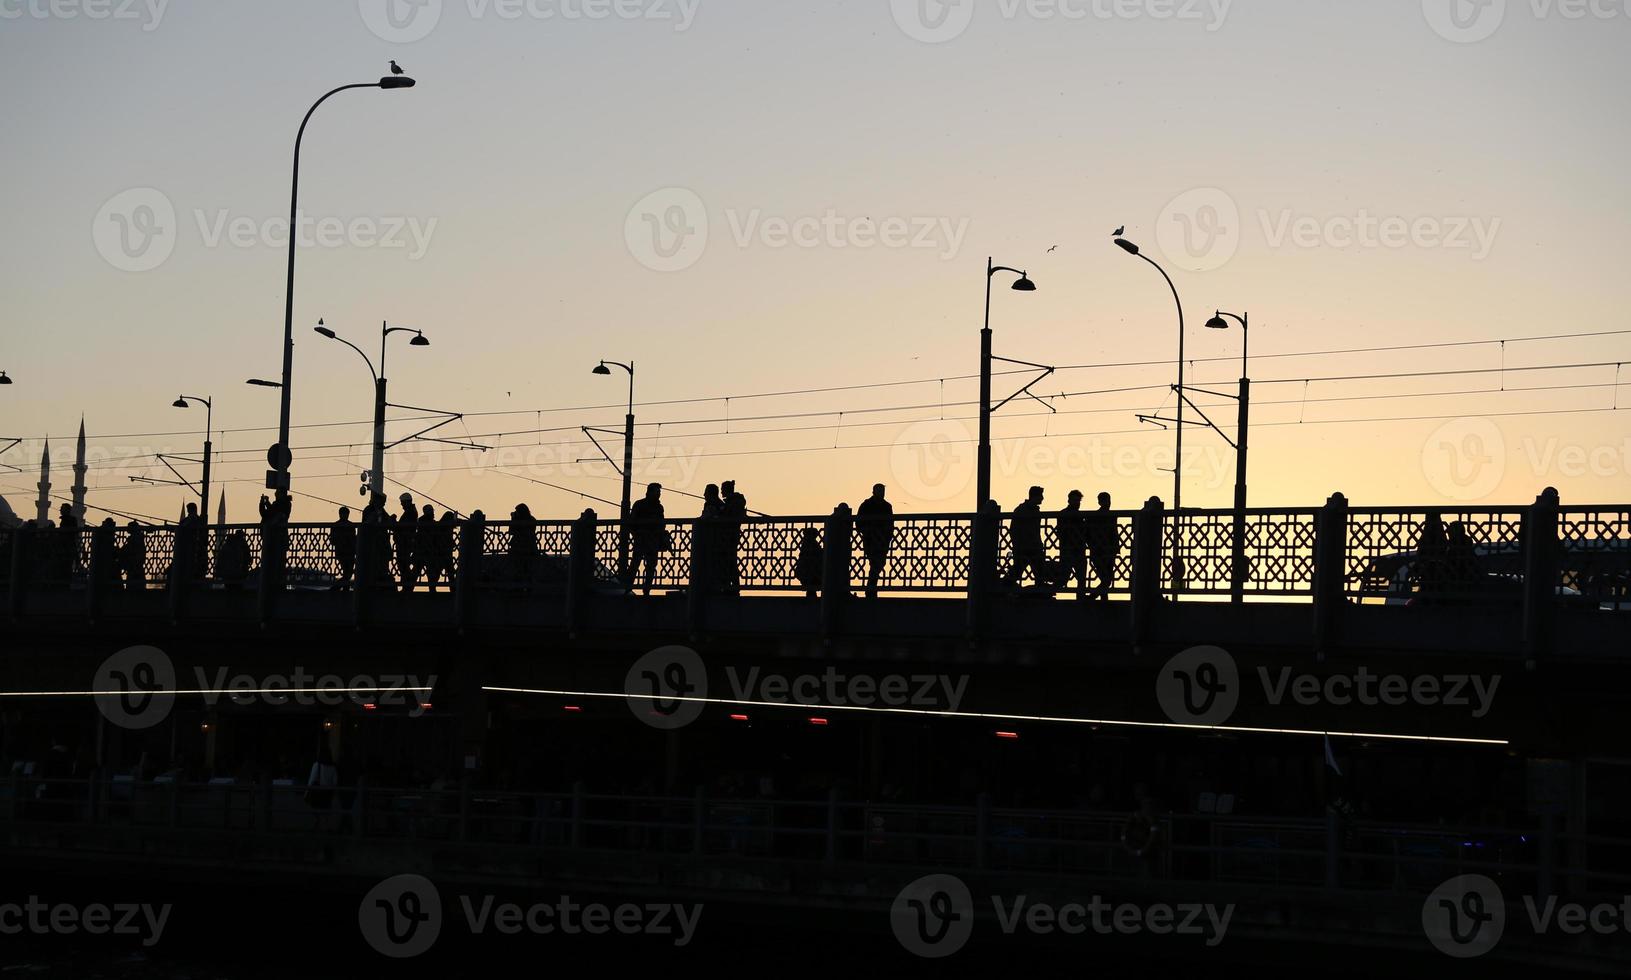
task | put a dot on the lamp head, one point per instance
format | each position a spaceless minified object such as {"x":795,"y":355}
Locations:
{"x":179,"y":403}
{"x":601,"y":368}
{"x":1024,"y":284}
{"x":1127,"y":246}
{"x":3,"y":379}
{"x":324,"y":330}
{"x":1217,"y":323}
{"x":259,"y":383}
{"x":396,"y":81}
{"x":419,"y":339}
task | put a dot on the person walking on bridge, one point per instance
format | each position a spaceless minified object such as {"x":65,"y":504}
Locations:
{"x":876,"y":520}
{"x":1103,"y":545}
{"x":1025,"y":536}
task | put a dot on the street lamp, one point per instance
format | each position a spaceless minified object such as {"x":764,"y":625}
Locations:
{"x":983,"y":458}
{"x":1178,"y":462}
{"x":604,"y":368}
{"x":278,"y":479}
{"x":209,"y":417}
{"x":376,"y":472}
{"x":1237,"y":585}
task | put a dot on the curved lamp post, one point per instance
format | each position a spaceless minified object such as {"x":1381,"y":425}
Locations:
{"x":1237,"y":583}
{"x":279,"y":479}
{"x":209,"y":417}
{"x":376,"y":472}
{"x":605,"y":368}
{"x":1178,"y":462}
{"x":983,"y":459}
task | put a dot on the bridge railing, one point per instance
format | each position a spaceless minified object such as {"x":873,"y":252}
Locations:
{"x":1297,"y":852}
{"x":1386,"y":554}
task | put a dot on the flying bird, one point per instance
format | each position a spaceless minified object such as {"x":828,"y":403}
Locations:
{"x":396,"y":69}
{"x":1052,"y":249}
{"x":1118,"y":232}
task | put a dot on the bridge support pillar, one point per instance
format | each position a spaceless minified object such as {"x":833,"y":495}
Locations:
{"x":22,"y":544}
{"x":370,"y":542}
{"x":184,"y":543}
{"x":1146,"y":577}
{"x":1541,"y":572}
{"x":836,"y":537}
{"x":705,"y":535}
{"x":103,"y":570}
{"x":1330,"y":571}
{"x":580,"y":569}
{"x":982,"y":566}
{"x":472,"y":542}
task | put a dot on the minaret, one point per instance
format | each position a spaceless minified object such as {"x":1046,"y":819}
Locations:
{"x":79,"y":475}
{"x":42,"y":507}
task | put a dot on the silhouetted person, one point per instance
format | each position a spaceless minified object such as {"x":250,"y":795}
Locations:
{"x":809,"y":567}
{"x":1071,"y":526}
{"x":232,"y":564}
{"x":67,"y":543}
{"x":1103,"y":545}
{"x":377,"y":554}
{"x":104,"y":554}
{"x":523,"y":542}
{"x":1432,"y":554}
{"x":407,"y":527}
{"x":648,"y":536}
{"x":133,"y":557}
{"x":1461,"y":561}
{"x":342,"y":537}
{"x":712,"y":544}
{"x":192,"y":541}
{"x":734,"y":510}
{"x":439,"y":561}
{"x":275,"y":536}
{"x":876,"y":520}
{"x":1025,"y":536}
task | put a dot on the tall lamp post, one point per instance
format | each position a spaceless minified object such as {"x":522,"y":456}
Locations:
{"x":278,"y":478}
{"x":983,"y":459}
{"x":1178,"y":462}
{"x":209,"y":418}
{"x":605,"y":368}
{"x":1237,"y":583}
{"x":376,"y":471}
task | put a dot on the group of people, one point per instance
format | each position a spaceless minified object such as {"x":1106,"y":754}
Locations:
{"x":1086,"y":538}
{"x":420,"y":543}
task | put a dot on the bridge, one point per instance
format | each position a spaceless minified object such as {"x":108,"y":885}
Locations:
{"x":1529,"y":582}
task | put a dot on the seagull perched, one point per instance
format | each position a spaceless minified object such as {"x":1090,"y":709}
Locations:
{"x":396,"y":69}
{"x":1118,"y":232}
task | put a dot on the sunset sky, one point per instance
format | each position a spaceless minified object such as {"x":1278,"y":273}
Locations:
{"x":748,"y":199}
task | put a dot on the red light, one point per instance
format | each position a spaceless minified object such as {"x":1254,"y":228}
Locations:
{"x":818,"y":721}
{"x":370,"y":706}
{"x":739,"y":717}
{"x":426,"y":705}
{"x":571,"y":707}
{"x":1013,"y":735}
